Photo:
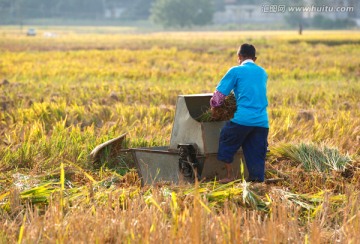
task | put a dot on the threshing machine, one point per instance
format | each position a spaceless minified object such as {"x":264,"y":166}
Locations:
{"x":192,"y":151}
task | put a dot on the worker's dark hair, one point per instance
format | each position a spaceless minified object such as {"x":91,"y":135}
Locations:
{"x":247,"y":50}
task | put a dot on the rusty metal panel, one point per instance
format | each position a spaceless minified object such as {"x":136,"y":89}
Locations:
{"x":213,"y":168}
{"x":197,"y":104}
{"x":109,"y":149}
{"x":211,"y":134}
{"x":185,"y":128}
{"x":156,"y":164}
{"x":160,"y":165}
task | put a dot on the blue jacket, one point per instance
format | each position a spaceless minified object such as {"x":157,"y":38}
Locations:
{"x":248,"y":81}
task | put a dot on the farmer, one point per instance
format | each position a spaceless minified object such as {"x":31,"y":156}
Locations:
{"x":249,"y":127}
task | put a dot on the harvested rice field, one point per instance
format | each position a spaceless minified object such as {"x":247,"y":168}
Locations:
{"x":61,"y":96}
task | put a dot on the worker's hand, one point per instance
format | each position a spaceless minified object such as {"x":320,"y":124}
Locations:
{"x":215,"y":113}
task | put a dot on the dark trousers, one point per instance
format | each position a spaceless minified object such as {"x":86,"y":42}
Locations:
{"x":253,"y":141}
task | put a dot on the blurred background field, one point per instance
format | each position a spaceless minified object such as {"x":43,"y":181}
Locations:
{"x":66,"y":90}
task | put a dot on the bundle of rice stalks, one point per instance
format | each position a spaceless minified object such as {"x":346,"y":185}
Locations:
{"x":313,"y":157}
{"x":223,"y":113}
{"x":39,"y":194}
{"x":234,"y":191}
{"x":312,"y":203}
{"x":44,"y":191}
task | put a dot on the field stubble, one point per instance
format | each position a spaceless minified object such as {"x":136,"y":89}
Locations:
{"x":63,"y":96}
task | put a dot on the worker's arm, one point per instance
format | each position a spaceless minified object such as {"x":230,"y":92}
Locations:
{"x":227,"y":83}
{"x":225,"y":86}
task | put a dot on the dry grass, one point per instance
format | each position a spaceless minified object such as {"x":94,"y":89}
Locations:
{"x":187,"y":219}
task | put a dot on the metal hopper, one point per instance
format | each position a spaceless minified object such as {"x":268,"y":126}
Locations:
{"x":192,"y":151}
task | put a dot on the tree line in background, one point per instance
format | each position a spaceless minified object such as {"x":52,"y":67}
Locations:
{"x":75,"y":9}
{"x":168,"y":13}
{"x":182,"y":13}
